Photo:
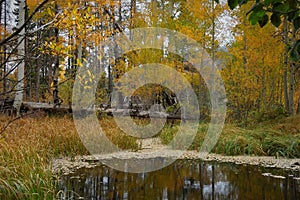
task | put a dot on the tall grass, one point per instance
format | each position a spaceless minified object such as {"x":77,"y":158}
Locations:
{"x":24,"y":174}
{"x":116,"y":135}
{"x":281,"y":138}
{"x":27,"y":147}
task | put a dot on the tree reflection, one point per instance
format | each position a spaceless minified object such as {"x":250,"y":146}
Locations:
{"x":181,"y":180}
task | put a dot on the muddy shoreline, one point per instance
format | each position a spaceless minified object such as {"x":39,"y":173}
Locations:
{"x":68,"y":165}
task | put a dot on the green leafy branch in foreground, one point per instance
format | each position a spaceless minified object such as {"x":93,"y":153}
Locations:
{"x":273,"y":11}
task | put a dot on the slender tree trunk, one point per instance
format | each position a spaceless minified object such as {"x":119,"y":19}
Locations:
{"x":292,"y":89}
{"x":50,"y":76}
{"x":37,"y":83}
{"x":298,"y":106}
{"x":280,"y":91}
{"x":28,"y":78}
{"x":79,"y":55}
{"x":171,"y":7}
{"x":37,"y":70}
{"x":1,"y":3}
{"x":4,"y":47}
{"x":286,"y":67}
{"x":120,"y":11}
{"x":292,"y":76}
{"x":244,"y":41}
{"x":289,"y":82}
{"x":263,"y":85}
{"x":245,"y":50}
{"x":109,"y":82}
{"x":56,"y":64}
{"x":21,"y":53}
{"x":213,"y":89}
{"x":132,"y":12}
{"x":213,"y":33}
{"x":2,"y":74}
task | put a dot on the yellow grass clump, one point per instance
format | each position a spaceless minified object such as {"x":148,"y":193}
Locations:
{"x":28,"y":145}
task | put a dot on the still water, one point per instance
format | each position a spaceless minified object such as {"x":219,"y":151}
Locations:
{"x":184,"y":179}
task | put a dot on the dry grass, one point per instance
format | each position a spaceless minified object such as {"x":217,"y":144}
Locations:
{"x":48,"y":136}
{"x":116,"y":135}
{"x":27,"y":147}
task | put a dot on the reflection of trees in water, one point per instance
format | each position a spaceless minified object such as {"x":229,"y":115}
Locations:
{"x":181,"y":180}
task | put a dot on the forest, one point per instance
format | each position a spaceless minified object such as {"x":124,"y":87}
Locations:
{"x":45,"y":52}
{"x":44,"y":44}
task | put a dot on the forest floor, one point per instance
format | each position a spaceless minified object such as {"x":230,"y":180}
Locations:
{"x":29,"y":145}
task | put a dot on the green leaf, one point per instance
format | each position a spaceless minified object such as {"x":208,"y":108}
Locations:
{"x":232,"y":4}
{"x":292,"y":4}
{"x":263,"y":21}
{"x":241,"y":2}
{"x":269,"y":2}
{"x":253,"y":18}
{"x":260,"y":13}
{"x":281,"y":7}
{"x":217,"y":1}
{"x":296,"y":23}
{"x":256,"y":16}
{"x":293,"y":15}
{"x":275,"y":19}
{"x":295,"y":52}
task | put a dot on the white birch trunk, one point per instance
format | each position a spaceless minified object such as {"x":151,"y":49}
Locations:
{"x":21,"y":54}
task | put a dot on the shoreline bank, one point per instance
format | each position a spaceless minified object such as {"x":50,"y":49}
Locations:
{"x":68,"y":165}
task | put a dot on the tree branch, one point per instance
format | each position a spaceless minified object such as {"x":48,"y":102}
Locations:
{"x":23,"y":26}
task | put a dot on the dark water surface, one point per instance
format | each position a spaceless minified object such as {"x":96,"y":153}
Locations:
{"x":184,"y":179}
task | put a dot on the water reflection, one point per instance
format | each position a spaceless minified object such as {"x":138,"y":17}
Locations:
{"x":182,"y":180}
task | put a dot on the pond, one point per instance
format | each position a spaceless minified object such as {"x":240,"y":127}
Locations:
{"x":184,"y":179}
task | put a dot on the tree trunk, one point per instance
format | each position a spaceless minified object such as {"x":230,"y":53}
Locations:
{"x":286,"y":66}
{"x":298,"y":107}
{"x":21,"y":54}
{"x":293,"y":67}
{"x":4,"y":48}
{"x":292,"y":89}
{"x":263,"y":85}
{"x":56,"y":32}
{"x":1,"y":11}
{"x":37,"y":71}
{"x":56,"y":65}
{"x":2,"y":59}
{"x":109,"y":83}
{"x":212,"y":86}
{"x":37,"y":83}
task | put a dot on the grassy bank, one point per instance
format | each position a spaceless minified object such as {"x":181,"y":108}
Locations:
{"x":28,"y":145}
{"x":26,"y":148}
{"x":279,"y":138}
